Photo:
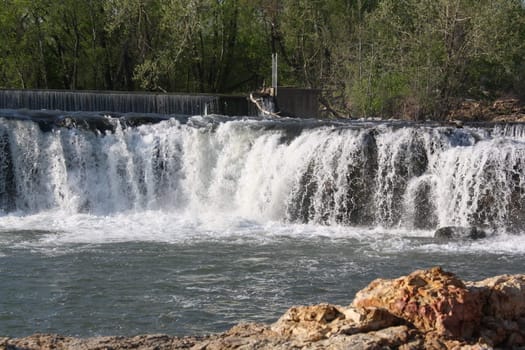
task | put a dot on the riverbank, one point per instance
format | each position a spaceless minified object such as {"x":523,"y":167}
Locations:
{"x":505,"y":109}
{"x":428,"y":309}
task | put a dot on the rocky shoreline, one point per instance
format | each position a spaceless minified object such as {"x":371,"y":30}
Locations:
{"x":502,"y":110}
{"x":428,"y":309}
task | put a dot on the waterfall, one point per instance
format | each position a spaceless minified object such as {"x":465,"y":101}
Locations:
{"x":340,"y":173}
{"x":514,"y":130}
{"x":125,"y":102}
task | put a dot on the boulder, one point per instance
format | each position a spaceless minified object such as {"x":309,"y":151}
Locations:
{"x":458,"y":232}
{"x":316,"y":322}
{"x":432,"y":300}
{"x":387,"y":338}
{"x":503,"y":322}
{"x":505,"y":296}
{"x":310,"y":323}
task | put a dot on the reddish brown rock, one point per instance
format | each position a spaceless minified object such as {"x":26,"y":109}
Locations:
{"x":432,"y":300}
{"x":503,"y":322}
{"x":388,"y":338}
{"x":313,"y":323}
{"x":310,"y":323}
{"x":506,"y":296}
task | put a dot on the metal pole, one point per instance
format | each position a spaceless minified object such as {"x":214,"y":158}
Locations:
{"x":274,"y":74}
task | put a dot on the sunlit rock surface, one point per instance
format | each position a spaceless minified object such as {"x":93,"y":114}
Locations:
{"x":431,"y":300}
{"x":428,"y":309}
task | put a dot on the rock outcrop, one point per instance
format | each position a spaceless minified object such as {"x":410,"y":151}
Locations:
{"x":432,"y":301}
{"x":504,"y":109}
{"x":458,"y":233}
{"x":428,"y":309}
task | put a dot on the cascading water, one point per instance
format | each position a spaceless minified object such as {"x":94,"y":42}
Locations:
{"x":410,"y":176}
{"x":125,"y":102}
{"x":151,"y":223}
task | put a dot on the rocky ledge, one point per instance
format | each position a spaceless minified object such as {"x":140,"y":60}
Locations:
{"x":504,"y":109}
{"x":428,"y":309}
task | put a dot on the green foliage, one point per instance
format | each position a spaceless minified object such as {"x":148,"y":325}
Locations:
{"x":403,"y":58}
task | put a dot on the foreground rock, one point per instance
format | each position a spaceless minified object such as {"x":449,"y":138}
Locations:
{"x":428,"y":309}
{"x":432,"y":301}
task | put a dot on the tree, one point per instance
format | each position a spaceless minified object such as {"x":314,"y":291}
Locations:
{"x":134,"y":31}
{"x":416,"y":61}
{"x":405,"y":58}
{"x":498,"y":29}
{"x":24,"y":55}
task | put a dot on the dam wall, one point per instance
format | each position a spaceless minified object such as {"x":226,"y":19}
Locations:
{"x":290,"y":102}
{"x":127,"y":102}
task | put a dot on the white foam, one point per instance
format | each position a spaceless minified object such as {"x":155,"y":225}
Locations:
{"x":170,"y":182}
{"x":57,"y":229}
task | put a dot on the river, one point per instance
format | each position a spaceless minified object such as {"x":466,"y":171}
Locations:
{"x":188,"y":225}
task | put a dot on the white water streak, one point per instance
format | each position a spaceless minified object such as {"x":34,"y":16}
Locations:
{"x":413,"y":176}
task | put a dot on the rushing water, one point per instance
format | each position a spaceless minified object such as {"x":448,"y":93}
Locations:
{"x":188,"y":225}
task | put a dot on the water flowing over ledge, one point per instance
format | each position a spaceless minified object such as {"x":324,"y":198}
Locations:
{"x":132,"y":223}
{"x":350,"y":173}
{"x":126,"y":102}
